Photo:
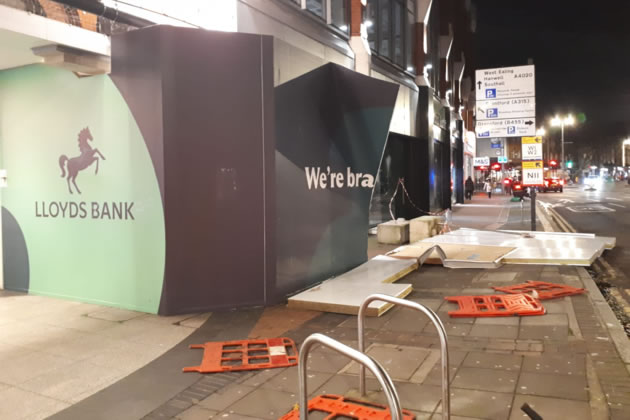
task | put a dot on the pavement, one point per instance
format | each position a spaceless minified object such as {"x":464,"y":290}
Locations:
{"x":568,"y":363}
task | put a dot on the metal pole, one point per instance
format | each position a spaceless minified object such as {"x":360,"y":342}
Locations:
{"x":446,"y":404}
{"x":562,"y":140}
{"x":533,"y":209}
{"x":364,"y":360}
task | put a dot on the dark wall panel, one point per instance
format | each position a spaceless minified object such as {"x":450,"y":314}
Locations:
{"x":204,"y":103}
{"x":219,"y":168}
{"x":334,"y":121}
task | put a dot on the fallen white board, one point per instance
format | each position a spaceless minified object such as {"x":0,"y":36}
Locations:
{"x":345,"y":293}
{"x":533,"y":247}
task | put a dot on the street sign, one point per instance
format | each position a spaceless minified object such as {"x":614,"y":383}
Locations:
{"x":533,"y":164}
{"x":533,"y":173}
{"x":517,"y":127}
{"x":505,"y":83}
{"x":532,"y":148}
{"x":502,"y":159}
{"x":481,"y":161}
{"x":506,"y":108}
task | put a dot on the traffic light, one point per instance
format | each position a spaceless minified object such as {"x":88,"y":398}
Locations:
{"x":569,"y":165}
{"x":553,"y":163}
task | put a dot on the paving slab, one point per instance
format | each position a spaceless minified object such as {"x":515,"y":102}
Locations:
{"x":265,"y":403}
{"x":563,"y":364}
{"x":424,"y":398}
{"x":486,"y":360}
{"x":512,"y":321}
{"x":494,"y":331}
{"x":400,"y":362}
{"x":197,"y":413}
{"x":551,"y":408}
{"x":479,"y":404}
{"x":288,"y":381}
{"x":547,"y":320}
{"x":570,"y":387}
{"x":486,"y":379}
{"x":327,"y":362}
{"x":222,"y":399}
{"x":544,"y":332}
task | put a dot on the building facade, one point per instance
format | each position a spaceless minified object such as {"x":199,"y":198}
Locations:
{"x":133,"y":63}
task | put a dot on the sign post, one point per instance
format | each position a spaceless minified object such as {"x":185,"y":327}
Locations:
{"x":506,"y":102}
{"x":533,"y":167}
{"x":506,"y":107}
{"x":532,"y":195}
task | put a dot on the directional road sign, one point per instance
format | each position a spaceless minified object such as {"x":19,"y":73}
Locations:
{"x":515,"y":127}
{"x":505,"y":83}
{"x":532,"y":148}
{"x":533,"y":173}
{"x":506,"y":108}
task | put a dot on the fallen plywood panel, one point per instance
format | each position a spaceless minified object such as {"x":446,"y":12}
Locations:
{"x":552,"y":256}
{"x":531,"y":247}
{"x":345,"y":293}
{"x":609,"y":241}
{"x":456,"y":255}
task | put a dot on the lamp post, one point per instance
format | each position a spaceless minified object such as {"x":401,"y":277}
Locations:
{"x":541,"y":132}
{"x":561,"y":122}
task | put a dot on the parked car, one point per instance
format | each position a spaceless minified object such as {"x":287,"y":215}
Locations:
{"x":552,"y":184}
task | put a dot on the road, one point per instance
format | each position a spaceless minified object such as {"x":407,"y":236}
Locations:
{"x":606,"y":212}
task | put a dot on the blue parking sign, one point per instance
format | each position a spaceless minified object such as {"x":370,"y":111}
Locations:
{"x":492,"y":113}
{"x":491,"y":93}
{"x":511,"y":129}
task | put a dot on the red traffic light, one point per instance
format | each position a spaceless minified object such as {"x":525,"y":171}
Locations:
{"x":553,"y":163}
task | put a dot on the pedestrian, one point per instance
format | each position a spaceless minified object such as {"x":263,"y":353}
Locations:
{"x":487,"y":187}
{"x":469,"y":187}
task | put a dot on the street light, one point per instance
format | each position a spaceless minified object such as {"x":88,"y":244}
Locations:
{"x":557,"y":121}
{"x":623,"y":152}
{"x":541,"y":133}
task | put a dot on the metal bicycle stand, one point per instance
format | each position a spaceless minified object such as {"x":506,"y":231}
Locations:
{"x":363,"y":359}
{"x":446,"y":389}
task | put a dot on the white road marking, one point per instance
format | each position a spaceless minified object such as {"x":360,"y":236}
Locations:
{"x":617,"y":205}
{"x":596,"y":208}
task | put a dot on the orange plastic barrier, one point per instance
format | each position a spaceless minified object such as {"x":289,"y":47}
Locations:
{"x":544,"y":289}
{"x":495,"y":305}
{"x":226,"y":356}
{"x":340,"y":407}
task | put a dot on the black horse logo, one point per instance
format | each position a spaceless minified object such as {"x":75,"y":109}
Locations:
{"x":79,"y":163}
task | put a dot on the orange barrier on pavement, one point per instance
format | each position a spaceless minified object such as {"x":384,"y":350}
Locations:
{"x":544,"y":289}
{"x":340,"y":407}
{"x":495,"y":305}
{"x":226,"y":356}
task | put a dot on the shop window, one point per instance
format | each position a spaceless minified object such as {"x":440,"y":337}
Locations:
{"x":390,"y":26}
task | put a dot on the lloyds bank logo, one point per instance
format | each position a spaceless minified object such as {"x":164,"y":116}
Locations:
{"x":70,"y":169}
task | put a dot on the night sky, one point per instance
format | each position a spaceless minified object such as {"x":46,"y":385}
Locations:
{"x":582,"y":55}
